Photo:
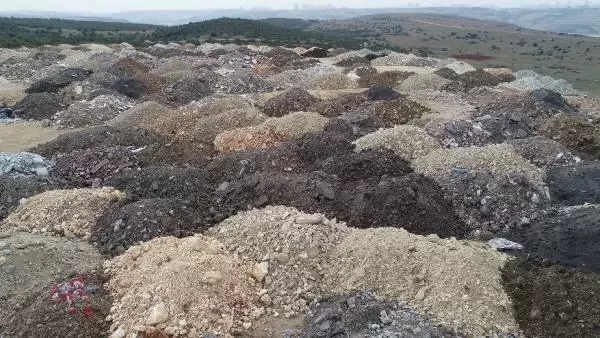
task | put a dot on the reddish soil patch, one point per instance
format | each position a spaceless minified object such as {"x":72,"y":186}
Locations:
{"x":474,"y":57}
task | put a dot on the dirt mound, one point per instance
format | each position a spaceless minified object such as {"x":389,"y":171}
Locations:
{"x":291,"y":246}
{"x":333,"y":81}
{"x":244,"y":82}
{"x":293,"y":100}
{"x":188,"y":184}
{"x":92,"y":166}
{"x":132,"y":88}
{"x":69,"y":213}
{"x":94,"y":112}
{"x":575,"y":185}
{"x":464,"y":133}
{"x":361,"y":314}
{"x":52,"y":84}
{"x":177,"y":153}
{"x":552,"y":301}
{"x":135,"y":79}
{"x":569,"y":236}
{"x":187,"y":89}
{"x":353,"y":61}
{"x":33,"y":265}
{"x":408,"y":142}
{"x":336,"y":106}
{"x":544,"y":152}
{"x":100,"y":136}
{"x":438,"y":276}
{"x":142,"y":115}
{"x":13,"y":189}
{"x":393,"y":112}
{"x":387,"y":78}
{"x":315,"y":52}
{"x":505,"y":74}
{"x":576,"y":133}
{"x":498,"y":159}
{"x":83,"y":91}
{"x":469,"y":80}
{"x":39,"y":106}
{"x":296,"y":124}
{"x":381,"y":93}
{"x":423,"y":82}
{"x":247,"y":138}
{"x":182,"y":286}
{"x":127,"y":224}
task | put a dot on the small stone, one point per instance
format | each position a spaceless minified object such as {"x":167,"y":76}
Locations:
{"x":266,"y":299}
{"x":108,"y":318}
{"x":246,"y":325}
{"x":211,"y":277}
{"x":119,"y":333}
{"x":260,"y":270}
{"x":158,"y":314}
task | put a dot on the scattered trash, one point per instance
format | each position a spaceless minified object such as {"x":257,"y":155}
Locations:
{"x":75,"y":294}
{"x":502,"y":244}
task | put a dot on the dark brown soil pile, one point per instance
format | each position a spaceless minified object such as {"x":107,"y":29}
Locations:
{"x":394,"y":112}
{"x":569,"y":236}
{"x":13,"y":189}
{"x":360,"y":314}
{"x":576,"y":133}
{"x":381,"y":93}
{"x":543,"y":152}
{"x":178,"y":153}
{"x":575,"y":185}
{"x":352,"y":166}
{"x":141,"y":221}
{"x":553,"y":301}
{"x":64,"y":78}
{"x":244,"y":82}
{"x":188,"y":88}
{"x":132,"y":88}
{"x":339,"y":105}
{"x":101,"y":136}
{"x":39,"y":106}
{"x":188,"y":184}
{"x":40,"y":317}
{"x":286,"y":59}
{"x":91,"y":167}
{"x":469,"y":80}
{"x":491,"y":204}
{"x":388,"y":78}
{"x":353,"y":61}
{"x":315,"y":52}
{"x":135,"y":79}
{"x":293,"y":100}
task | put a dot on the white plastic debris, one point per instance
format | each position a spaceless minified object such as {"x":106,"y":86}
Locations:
{"x":504,"y":244}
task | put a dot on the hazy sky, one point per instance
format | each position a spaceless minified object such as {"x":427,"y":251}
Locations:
{"x":121,"y":5}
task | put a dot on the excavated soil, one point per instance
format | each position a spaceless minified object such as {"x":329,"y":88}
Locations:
{"x":575,"y":185}
{"x":576,"y":133}
{"x":13,"y":189}
{"x":293,"y":100}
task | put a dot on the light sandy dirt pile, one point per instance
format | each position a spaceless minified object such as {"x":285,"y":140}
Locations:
{"x":296,"y":124}
{"x":246,"y":138}
{"x":142,"y":115}
{"x":406,"y":141}
{"x":289,"y":249}
{"x":498,"y":159}
{"x":458,"y":283}
{"x":69,"y":213}
{"x":184,"y":287}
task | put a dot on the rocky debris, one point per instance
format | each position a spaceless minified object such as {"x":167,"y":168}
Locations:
{"x":31,"y":265}
{"x":381,"y":93}
{"x":83,"y":91}
{"x":399,"y":59}
{"x":498,"y":159}
{"x":99,"y":136}
{"x":457,"y":283}
{"x":458,"y":67}
{"x":418,"y":82}
{"x":463,"y":133}
{"x":69,"y":213}
{"x":575,"y":185}
{"x":362,"y":314}
{"x":92,"y":166}
{"x":53,"y":84}
{"x":544,"y":152}
{"x":39,"y":106}
{"x":568,"y":236}
{"x":338,"y":105}
{"x":315,"y":52}
{"x":289,"y":249}
{"x":296,"y":124}
{"x":551,"y":300}
{"x":393,"y":112}
{"x":576,"y":133}
{"x":406,"y":141}
{"x":188,"y":88}
{"x":387,"y":78}
{"x":88,"y":113}
{"x":130,"y":223}
{"x":24,"y":164}
{"x":530,"y":80}
{"x":252,"y":137}
{"x":182,"y":286}
{"x":293,"y":100}
{"x":304,"y":78}
{"x":244,"y":82}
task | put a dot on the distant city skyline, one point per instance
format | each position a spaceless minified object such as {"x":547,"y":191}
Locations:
{"x":112,"y":6}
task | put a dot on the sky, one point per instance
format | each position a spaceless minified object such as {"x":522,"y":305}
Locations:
{"x":108,"y":6}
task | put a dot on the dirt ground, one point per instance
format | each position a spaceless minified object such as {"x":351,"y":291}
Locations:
{"x":19,"y":136}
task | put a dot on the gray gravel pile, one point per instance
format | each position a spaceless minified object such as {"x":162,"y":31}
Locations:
{"x":406,"y":141}
{"x":462,"y":133}
{"x":94,"y":112}
{"x":544,"y":152}
{"x":244,"y":82}
{"x":530,"y":80}
{"x":24,"y":164}
{"x":236,"y":60}
{"x":303,"y":78}
{"x":361,"y":314}
{"x":399,"y":59}
{"x":419,"y":82}
{"x":290,"y":250}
